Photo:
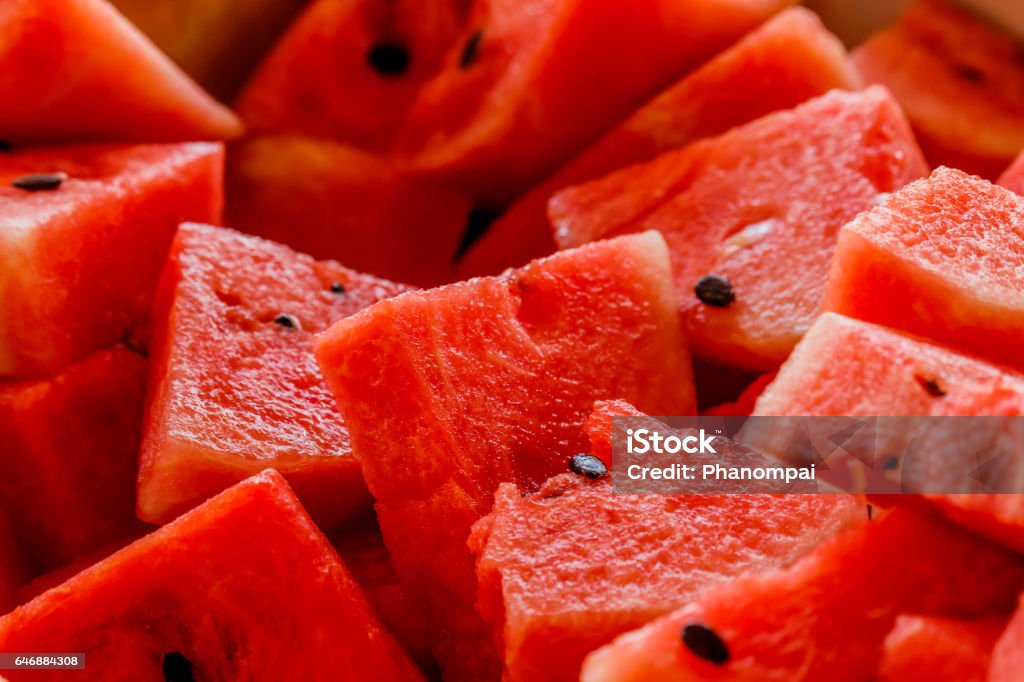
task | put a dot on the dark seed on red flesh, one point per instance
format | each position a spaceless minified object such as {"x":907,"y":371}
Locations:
{"x":389,"y":59}
{"x":715,"y":290}
{"x":705,"y":643}
{"x":931,"y":386}
{"x":587,"y":465}
{"x":472,"y":50}
{"x":338,"y":287}
{"x":40,"y":182}
{"x":288,"y":321}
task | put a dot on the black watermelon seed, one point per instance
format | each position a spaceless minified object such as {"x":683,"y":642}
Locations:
{"x":338,"y":288}
{"x":715,"y":290}
{"x":288,"y":321}
{"x":705,"y":643}
{"x":40,"y":182}
{"x":587,"y":465}
{"x":892,"y":463}
{"x":970,"y":73}
{"x":472,"y":50}
{"x":870,"y":511}
{"x":177,"y":668}
{"x":931,"y":386}
{"x":389,"y":59}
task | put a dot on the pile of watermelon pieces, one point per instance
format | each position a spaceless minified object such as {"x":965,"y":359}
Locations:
{"x":316,"y":315}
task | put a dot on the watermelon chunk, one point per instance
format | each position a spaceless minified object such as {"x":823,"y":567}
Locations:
{"x":80,"y":72}
{"x":334,"y":201}
{"x":349,"y":71}
{"x":450,"y":392}
{"x":789,"y":60}
{"x":826,"y":617}
{"x":939,"y":259}
{"x":202,"y":592}
{"x":960,"y":80}
{"x":71,"y":443}
{"x":1008,"y":656}
{"x":235,"y":386}
{"x":928,"y":648}
{"x":530,"y":82}
{"x":566,"y":570}
{"x":759,"y":206}
{"x":79,"y":263}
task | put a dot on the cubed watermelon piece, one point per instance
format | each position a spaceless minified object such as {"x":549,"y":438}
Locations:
{"x":564,"y":571}
{"x":755,"y":213}
{"x":79,"y":262}
{"x":827,"y":616}
{"x":334,"y":201}
{"x":789,"y":60}
{"x":450,"y":392}
{"x":1013,"y":177}
{"x":530,"y":82}
{"x":940,"y":259}
{"x":71,"y":444}
{"x":235,"y":386}
{"x":1008,"y":655}
{"x":349,"y":70}
{"x":243,"y":587}
{"x":930,"y":648}
{"x":960,"y":80}
{"x":80,"y":72}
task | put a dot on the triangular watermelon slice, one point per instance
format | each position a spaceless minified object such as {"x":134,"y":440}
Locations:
{"x":70,"y":456}
{"x":450,"y":392}
{"x":80,"y":72}
{"x":81,"y":246}
{"x":930,"y":648}
{"x":790,"y":59}
{"x":827,"y":616}
{"x":243,"y":587}
{"x":754,"y":213}
{"x":235,"y":388}
{"x":1008,"y":656}
{"x":567,"y":569}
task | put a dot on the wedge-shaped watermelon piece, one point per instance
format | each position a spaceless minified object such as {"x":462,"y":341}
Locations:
{"x":1013,"y":177}
{"x":789,"y":60}
{"x":566,"y":570}
{"x":235,"y":386}
{"x":243,"y":587}
{"x":349,"y":70}
{"x":82,"y":244}
{"x":826,"y":617}
{"x":960,"y":80}
{"x":939,"y":259}
{"x":754,"y":215}
{"x":80,"y":72}
{"x":450,"y":392}
{"x":928,"y":648}
{"x":1008,"y":656}
{"x":71,"y":444}
{"x":531,"y":82}
{"x":334,"y":201}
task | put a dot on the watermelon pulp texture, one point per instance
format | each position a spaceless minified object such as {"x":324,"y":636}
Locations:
{"x":530,"y":82}
{"x":952,"y":246}
{"x":760,"y":206}
{"x":106,"y":82}
{"x":216,"y":416}
{"x":78,"y":264}
{"x":576,"y":538}
{"x":960,"y":80}
{"x":334,"y":201}
{"x":1008,"y":655}
{"x":826,"y":617}
{"x":71,"y":443}
{"x":349,"y":71}
{"x":790,"y":59}
{"x":206,"y":587}
{"x":450,"y":392}
{"x":926,"y":648}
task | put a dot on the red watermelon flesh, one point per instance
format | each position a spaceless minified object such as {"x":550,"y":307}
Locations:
{"x":14,"y":566}
{"x":760,"y":206}
{"x":334,"y":201}
{"x":242,"y":587}
{"x":80,"y":72}
{"x":235,"y":386}
{"x":349,"y":70}
{"x":789,"y":60}
{"x":531,"y":82}
{"x":1008,"y":655}
{"x":566,"y":570}
{"x":939,"y":259}
{"x":826,"y":617}
{"x":78,"y":264}
{"x":930,"y":648}
{"x":71,"y":443}
{"x":1013,"y":177}
{"x":960,"y":80}
{"x":450,"y":392}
